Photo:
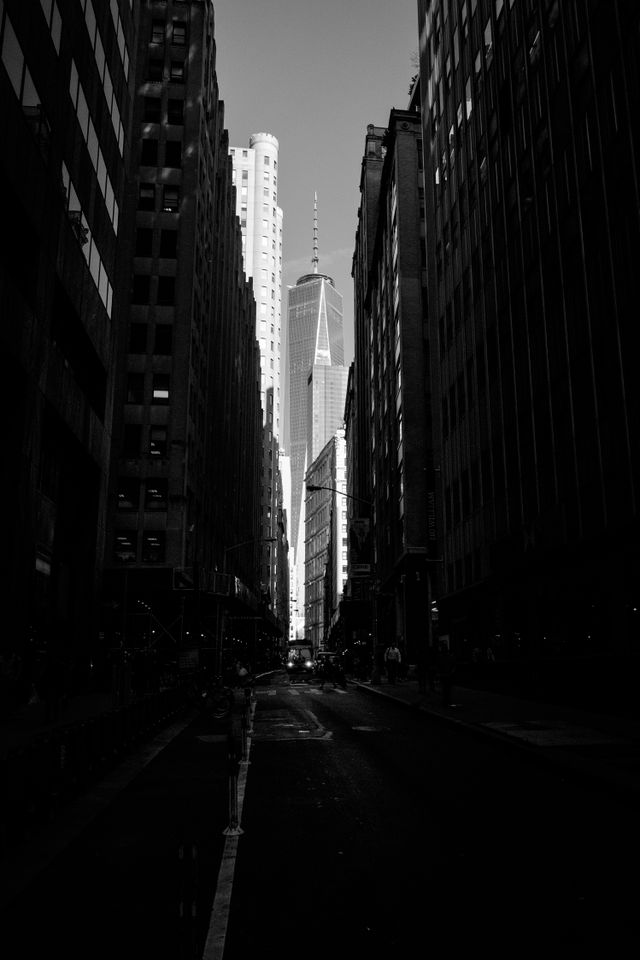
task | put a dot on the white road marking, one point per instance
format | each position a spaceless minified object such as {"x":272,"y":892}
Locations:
{"x":219,"y":918}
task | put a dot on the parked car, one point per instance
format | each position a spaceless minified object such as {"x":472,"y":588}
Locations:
{"x":328,"y":666}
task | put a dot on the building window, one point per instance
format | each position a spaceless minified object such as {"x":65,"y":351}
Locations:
{"x":141,"y":288}
{"x":128,"y":493}
{"x":155,"y":70}
{"x":135,"y":388}
{"x":138,"y":338}
{"x":157,"y":31}
{"x":166,"y":291}
{"x":131,"y":441}
{"x":168,"y":243}
{"x":163,"y":339}
{"x":173,"y":153}
{"x":170,"y":198}
{"x":179,"y":34}
{"x":155,"y":497}
{"x":161,"y":388}
{"x":124,"y":548}
{"x":149,"y":153}
{"x":158,"y":441}
{"x":152,"y":109}
{"x":144,"y":241}
{"x":153,"y":546}
{"x":175,"y":111}
{"x":177,"y":71}
{"x":147,"y":197}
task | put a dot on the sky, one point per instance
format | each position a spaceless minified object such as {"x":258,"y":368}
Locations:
{"x":314,"y":74}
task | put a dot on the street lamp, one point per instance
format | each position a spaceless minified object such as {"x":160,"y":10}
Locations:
{"x":312,"y":487}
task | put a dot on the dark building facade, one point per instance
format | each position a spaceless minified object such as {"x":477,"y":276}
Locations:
{"x":65,"y":78}
{"x":393,"y":421}
{"x":182,"y":560}
{"x":530,"y":114}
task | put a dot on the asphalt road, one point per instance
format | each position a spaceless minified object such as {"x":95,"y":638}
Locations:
{"x":369,"y":831}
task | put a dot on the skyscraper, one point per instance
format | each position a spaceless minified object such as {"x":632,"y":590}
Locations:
{"x":255,"y":170}
{"x":255,"y":174}
{"x":315,"y":340}
{"x":185,"y":504}
{"x":530,"y":127}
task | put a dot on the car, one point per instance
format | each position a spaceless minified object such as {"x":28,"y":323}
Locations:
{"x":299,"y":665}
{"x":328,"y":666}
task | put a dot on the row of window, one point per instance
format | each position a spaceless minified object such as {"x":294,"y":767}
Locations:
{"x":84,"y":236}
{"x":172,"y":153}
{"x":162,"y":338}
{"x":152,"y":110}
{"x":88,"y":129}
{"x":153,"y":443}
{"x":155,"y":495}
{"x":245,"y":154}
{"x":170,"y":197}
{"x":167,"y":246}
{"x":177,"y":71}
{"x":176,"y":31}
{"x":153,"y":546}
{"x":119,"y":30}
{"x":54,"y":21}
{"x":165,"y":290}
{"x":104,"y":74}
{"x":15,"y":64}
{"x":160,"y":386}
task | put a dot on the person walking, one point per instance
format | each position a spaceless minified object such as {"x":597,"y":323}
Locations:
{"x":392,"y":660}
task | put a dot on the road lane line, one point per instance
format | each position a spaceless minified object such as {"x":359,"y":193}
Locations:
{"x":219,"y":917}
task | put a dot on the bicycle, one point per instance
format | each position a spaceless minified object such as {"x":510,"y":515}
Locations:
{"x":214,"y":698}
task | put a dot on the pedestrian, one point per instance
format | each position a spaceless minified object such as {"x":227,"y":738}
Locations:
{"x":243,"y":677}
{"x":446,"y":670}
{"x":392,"y":660}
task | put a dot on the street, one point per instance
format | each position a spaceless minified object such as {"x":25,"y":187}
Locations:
{"x":367,"y":830}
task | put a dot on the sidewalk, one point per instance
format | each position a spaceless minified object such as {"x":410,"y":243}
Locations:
{"x":28,"y":722}
{"x":592,"y":745}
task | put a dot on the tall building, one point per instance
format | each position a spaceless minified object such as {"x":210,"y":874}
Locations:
{"x":185,"y":495}
{"x":325,"y":539}
{"x":531,"y":117}
{"x":315,"y":339}
{"x":394,"y":485}
{"x":65,"y":80}
{"x":255,"y":173}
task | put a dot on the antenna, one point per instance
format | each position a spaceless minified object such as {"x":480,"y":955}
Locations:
{"x":314,"y":259}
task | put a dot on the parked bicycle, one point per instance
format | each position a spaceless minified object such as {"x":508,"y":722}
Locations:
{"x":211,"y":696}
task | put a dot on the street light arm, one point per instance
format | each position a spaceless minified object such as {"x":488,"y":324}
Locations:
{"x":312,"y":487}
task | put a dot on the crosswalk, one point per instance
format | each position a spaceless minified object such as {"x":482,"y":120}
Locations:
{"x":292,"y":692}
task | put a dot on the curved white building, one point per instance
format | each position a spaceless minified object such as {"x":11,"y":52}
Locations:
{"x":255,"y":171}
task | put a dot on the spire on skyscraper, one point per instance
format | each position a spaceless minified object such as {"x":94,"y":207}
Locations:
{"x":314,"y":259}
